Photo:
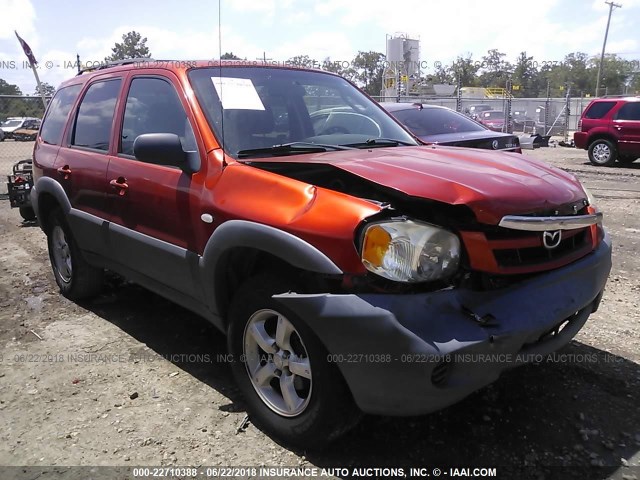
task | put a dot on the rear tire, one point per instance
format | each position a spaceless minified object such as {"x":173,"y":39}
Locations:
{"x":292,"y":392}
{"x":74,"y":276}
{"x":27,"y":213}
{"x":602,"y":153}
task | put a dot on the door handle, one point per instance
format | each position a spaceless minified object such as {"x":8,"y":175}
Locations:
{"x":66,"y":171}
{"x":120,"y":184}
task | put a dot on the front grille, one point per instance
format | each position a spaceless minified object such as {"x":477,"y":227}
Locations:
{"x":536,"y":254}
{"x":505,"y":251}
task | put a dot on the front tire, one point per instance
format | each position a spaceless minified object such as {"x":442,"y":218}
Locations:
{"x":74,"y":276}
{"x":291,"y":390}
{"x":602,"y":153}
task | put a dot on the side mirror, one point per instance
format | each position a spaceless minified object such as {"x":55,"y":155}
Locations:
{"x":165,"y":149}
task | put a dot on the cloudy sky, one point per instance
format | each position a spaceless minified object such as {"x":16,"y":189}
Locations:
{"x":191,"y":29}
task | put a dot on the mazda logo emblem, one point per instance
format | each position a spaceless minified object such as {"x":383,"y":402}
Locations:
{"x":551,"y":239}
{"x":494,"y":144}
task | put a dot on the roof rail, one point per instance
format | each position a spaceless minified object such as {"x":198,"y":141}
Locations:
{"x":115,"y":63}
{"x":619,"y":96}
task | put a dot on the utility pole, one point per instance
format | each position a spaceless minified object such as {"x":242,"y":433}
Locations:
{"x":264,"y":58}
{"x":604,"y":44}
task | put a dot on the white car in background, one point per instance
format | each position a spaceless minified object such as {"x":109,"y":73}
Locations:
{"x":11,"y":124}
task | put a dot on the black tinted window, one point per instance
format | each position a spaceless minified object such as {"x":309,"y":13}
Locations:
{"x":153,"y":106}
{"x":435,"y":121}
{"x":58,"y":112}
{"x":599,"y":109}
{"x":95,"y":115}
{"x":629,"y":111}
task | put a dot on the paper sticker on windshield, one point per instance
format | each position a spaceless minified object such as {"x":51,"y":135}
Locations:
{"x":237,"y":93}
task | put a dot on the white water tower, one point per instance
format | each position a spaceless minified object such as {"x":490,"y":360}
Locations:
{"x":403,"y":64}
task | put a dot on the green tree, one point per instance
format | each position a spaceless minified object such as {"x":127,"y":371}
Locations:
{"x":443,"y":75}
{"x":466,"y":69}
{"x":633,"y":82}
{"x":369,"y":67}
{"x":615,"y":72}
{"x":132,"y":46}
{"x":9,"y":88}
{"x":229,"y":56}
{"x":47,"y":90}
{"x":525,"y":77}
{"x":576,"y":70}
{"x":10,"y":107}
{"x":579,"y":73}
{"x":302,"y":61}
{"x":344,"y":69}
{"x":495,"y":69}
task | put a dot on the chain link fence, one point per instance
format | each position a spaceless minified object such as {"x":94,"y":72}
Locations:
{"x":18,"y":134}
{"x":544,"y":116}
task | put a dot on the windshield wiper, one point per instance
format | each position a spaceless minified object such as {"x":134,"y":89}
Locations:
{"x":381,"y":142}
{"x":293,"y":147}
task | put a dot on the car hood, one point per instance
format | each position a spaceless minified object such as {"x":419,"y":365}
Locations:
{"x":492,"y":184}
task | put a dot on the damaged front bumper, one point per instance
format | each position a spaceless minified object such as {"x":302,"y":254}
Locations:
{"x":413,"y":354}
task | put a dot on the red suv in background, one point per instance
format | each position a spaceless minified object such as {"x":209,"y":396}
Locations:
{"x":610,"y":130}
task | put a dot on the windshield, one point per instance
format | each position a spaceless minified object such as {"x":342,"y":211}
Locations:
{"x":11,"y":123}
{"x":253,"y":108}
{"x":436,"y":121}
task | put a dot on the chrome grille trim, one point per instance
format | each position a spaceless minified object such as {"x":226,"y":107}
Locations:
{"x":541,"y":224}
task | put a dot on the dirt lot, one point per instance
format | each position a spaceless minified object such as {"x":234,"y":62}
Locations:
{"x":130,"y":379}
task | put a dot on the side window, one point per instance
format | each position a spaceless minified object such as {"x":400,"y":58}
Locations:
{"x":57,"y":114}
{"x":153,"y":106}
{"x":95,"y":115}
{"x":599,"y":109}
{"x":629,"y":111}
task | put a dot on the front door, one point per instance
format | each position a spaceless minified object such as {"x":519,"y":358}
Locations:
{"x":151,"y":206}
{"x":627,"y":125}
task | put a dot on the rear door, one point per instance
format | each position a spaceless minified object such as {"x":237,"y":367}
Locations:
{"x":595,"y":116}
{"x":81,"y":164}
{"x":50,"y":136}
{"x":152,"y":206}
{"x":626,"y":123}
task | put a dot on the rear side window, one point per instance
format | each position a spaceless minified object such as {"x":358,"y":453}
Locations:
{"x":95,"y":115}
{"x":57,"y":115}
{"x":599,"y":109}
{"x":153,"y":106}
{"x":629,"y":111}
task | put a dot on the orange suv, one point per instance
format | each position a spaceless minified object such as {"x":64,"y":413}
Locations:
{"x":352,"y":268}
{"x":610,"y":130}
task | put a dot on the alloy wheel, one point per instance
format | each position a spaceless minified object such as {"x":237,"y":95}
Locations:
{"x":277,"y":363}
{"x":61,"y":254}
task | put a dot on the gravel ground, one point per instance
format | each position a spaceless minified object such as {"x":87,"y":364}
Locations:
{"x":131,"y":379}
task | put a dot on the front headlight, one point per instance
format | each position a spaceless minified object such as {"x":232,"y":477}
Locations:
{"x":410,"y":251}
